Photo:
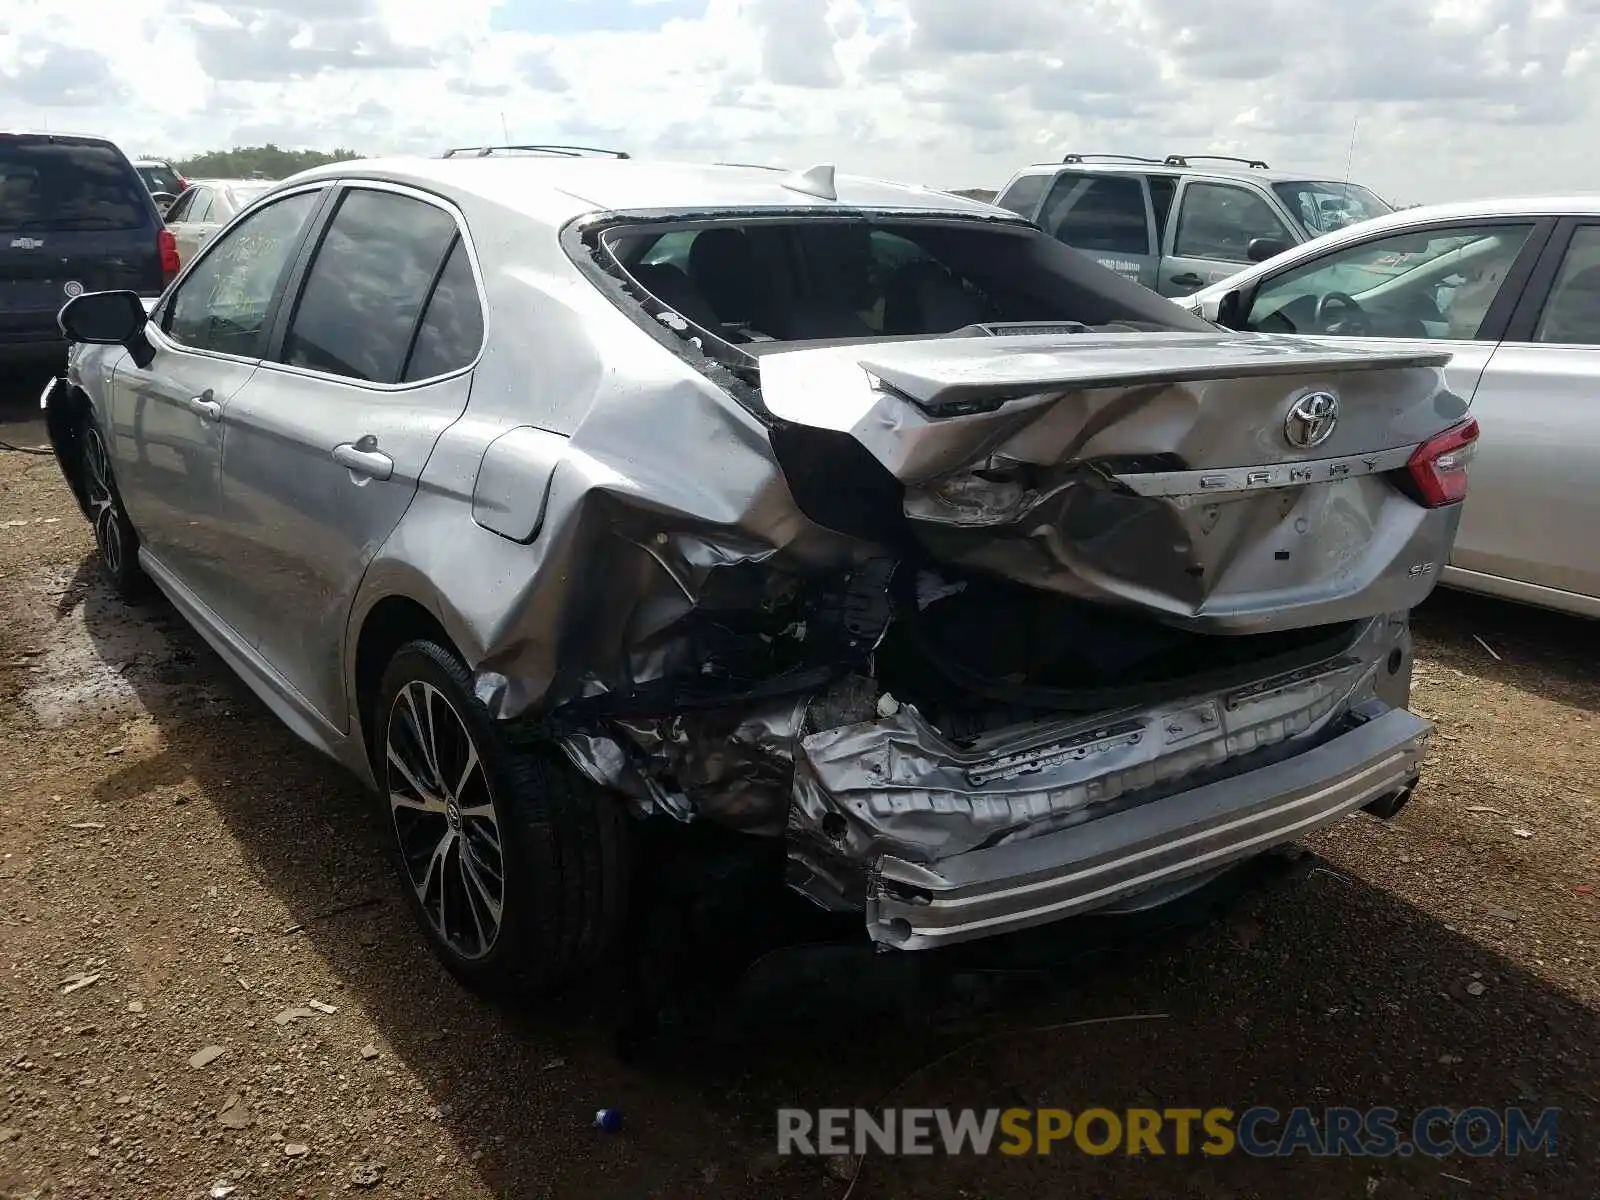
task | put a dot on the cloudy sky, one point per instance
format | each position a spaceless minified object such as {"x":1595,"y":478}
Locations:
{"x":1446,"y":98}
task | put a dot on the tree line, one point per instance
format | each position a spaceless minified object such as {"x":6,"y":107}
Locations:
{"x":244,"y":162}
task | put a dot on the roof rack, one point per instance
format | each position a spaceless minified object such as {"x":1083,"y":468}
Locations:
{"x":1134,"y":158}
{"x":553,"y":150}
{"x":1183,"y":160}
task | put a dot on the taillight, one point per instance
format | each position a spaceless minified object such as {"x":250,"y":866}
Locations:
{"x":182,"y":184}
{"x":169,"y":255}
{"x":1438,"y":468}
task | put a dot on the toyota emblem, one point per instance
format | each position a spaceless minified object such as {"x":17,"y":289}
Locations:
{"x":1311,"y":419}
{"x":72,"y":288}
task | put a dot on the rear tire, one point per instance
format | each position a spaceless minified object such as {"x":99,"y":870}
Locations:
{"x":114,"y":536}
{"x":514,"y":864}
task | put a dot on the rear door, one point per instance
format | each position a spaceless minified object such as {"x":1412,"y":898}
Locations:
{"x":1107,"y":217}
{"x":74,"y":217}
{"x":1210,"y":236}
{"x":368,"y":366}
{"x":1534,"y":505}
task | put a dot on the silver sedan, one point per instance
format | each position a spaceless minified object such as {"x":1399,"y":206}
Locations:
{"x":1511,"y":290}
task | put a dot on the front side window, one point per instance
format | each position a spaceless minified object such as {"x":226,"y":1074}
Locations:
{"x":223,"y":303}
{"x":367,"y":285}
{"x":180,"y":207}
{"x":1098,"y":213}
{"x":1321,"y":207}
{"x":1219,"y":221}
{"x":1571,"y":316}
{"x":1436,"y":283}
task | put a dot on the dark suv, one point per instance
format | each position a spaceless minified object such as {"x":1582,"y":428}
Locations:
{"x":74,"y":217}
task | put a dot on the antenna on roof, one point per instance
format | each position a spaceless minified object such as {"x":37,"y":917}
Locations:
{"x":813,"y":181}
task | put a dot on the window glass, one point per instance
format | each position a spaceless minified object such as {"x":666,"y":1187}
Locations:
{"x":223,"y":304}
{"x":200,"y":209}
{"x":1436,"y":283}
{"x":452,"y":326}
{"x":1321,"y":207}
{"x":671,"y":250}
{"x":1572,"y":314}
{"x":159,"y":179}
{"x":1162,"y":189}
{"x":1098,"y":212}
{"x":1219,"y":221}
{"x":366,"y":286}
{"x":180,"y":207}
{"x":65,"y":186}
{"x":1023,"y":196}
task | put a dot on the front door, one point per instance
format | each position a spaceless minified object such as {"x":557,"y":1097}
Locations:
{"x":1209,"y":238}
{"x":326,"y":445}
{"x":1533,"y":507}
{"x":1446,"y":288}
{"x":167,"y":427}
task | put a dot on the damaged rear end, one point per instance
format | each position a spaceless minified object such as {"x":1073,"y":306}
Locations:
{"x":1107,"y":611}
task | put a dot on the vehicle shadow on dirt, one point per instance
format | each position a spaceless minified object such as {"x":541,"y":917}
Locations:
{"x":1546,"y":653}
{"x":1317,"y":991}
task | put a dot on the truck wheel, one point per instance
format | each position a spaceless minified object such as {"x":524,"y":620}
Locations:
{"x":514,"y":863}
{"x":114,"y":535}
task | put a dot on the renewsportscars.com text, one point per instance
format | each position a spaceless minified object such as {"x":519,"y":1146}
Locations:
{"x":1257,"y":1131}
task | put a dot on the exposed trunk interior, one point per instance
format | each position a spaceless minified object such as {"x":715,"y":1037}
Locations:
{"x":981,"y":653}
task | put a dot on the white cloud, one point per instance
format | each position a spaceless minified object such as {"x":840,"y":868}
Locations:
{"x":1456,"y":97}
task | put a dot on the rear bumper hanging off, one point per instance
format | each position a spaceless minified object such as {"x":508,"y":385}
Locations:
{"x":1193,"y":833}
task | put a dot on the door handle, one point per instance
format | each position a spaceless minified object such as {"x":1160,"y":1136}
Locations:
{"x":204,"y":406}
{"x":1187,"y":279}
{"x":364,"y":458}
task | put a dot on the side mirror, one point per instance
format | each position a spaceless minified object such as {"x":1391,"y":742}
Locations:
{"x":1261,"y":249}
{"x":108,"y":319}
{"x":164,"y":201}
{"x":1230,"y":310}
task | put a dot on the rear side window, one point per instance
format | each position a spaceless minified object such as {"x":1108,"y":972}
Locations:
{"x":200,"y":206}
{"x":367,"y":286}
{"x":1023,"y":196}
{"x":452,"y":326}
{"x":64,"y":187}
{"x":1098,"y":213}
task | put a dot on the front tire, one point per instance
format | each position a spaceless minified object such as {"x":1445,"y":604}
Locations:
{"x":513,"y":863}
{"x":114,"y":535}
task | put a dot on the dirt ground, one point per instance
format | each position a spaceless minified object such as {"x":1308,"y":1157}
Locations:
{"x":177,"y":873}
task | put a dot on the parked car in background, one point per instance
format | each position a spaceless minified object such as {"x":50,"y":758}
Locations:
{"x":75,"y":217}
{"x":974,"y":585}
{"x":162,"y":178}
{"x":1178,"y":223}
{"x":1511,"y":290}
{"x":206,"y":206}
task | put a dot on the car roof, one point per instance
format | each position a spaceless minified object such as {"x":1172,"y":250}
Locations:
{"x":561,"y":188}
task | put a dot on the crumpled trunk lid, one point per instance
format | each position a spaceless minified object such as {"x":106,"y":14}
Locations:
{"x":1224,"y":482}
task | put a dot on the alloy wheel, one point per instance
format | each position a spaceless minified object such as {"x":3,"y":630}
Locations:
{"x":104,"y":512}
{"x":444,"y":818}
